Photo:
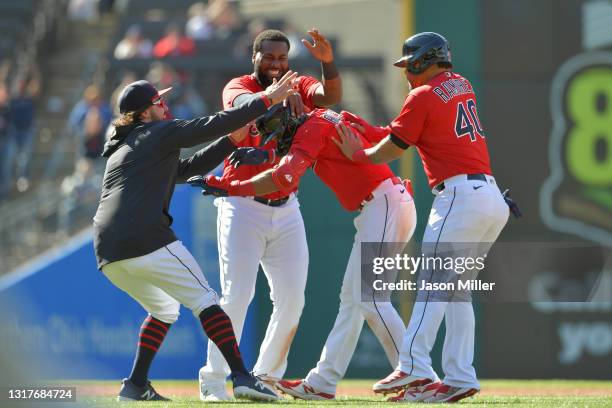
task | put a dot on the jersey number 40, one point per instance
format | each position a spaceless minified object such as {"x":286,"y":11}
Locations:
{"x":467,"y":121}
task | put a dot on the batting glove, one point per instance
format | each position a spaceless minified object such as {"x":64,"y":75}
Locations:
{"x":514,"y":208}
{"x":248,"y":155}
{"x":210,"y":185}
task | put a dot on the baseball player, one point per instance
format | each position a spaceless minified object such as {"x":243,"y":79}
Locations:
{"x":440,"y":119}
{"x":134,"y":245}
{"x":387,"y":214}
{"x":266,"y":228}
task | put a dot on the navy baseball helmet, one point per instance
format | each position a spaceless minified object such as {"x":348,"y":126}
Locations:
{"x":423,"y":50}
{"x":276,"y":122}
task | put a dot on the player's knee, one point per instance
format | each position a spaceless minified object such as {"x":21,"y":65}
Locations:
{"x":167,"y":316}
{"x":293,"y":307}
{"x":234,"y":302}
{"x":348,"y":298}
{"x":206,"y":301}
{"x":368,"y":310}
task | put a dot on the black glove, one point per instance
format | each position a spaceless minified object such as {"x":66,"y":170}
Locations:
{"x":196,"y":181}
{"x":248,"y":155}
{"x":514,"y":208}
{"x":207,"y":189}
{"x":283,"y":143}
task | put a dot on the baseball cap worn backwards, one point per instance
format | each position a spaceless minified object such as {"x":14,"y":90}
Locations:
{"x":138,"y":95}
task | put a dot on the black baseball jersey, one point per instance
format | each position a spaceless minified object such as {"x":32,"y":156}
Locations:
{"x":142,"y":169}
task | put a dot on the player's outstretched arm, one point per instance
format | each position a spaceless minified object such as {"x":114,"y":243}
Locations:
{"x":258,"y":185}
{"x":206,"y":159}
{"x":284,"y":176}
{"x":352,"y":147}
{"x":189,"y":133}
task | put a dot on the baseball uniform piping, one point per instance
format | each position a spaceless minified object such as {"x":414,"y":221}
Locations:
{"x":373,"y":292}
{"x":222,"y":267}
{"x":430,"y":278}
{"x":192,"y":274}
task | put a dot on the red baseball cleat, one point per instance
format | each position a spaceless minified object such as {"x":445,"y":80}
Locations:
{"x":397,"y":381}
{"x":417,"y":393}
{"x":302,"y":390}
{"x":447,"y":393}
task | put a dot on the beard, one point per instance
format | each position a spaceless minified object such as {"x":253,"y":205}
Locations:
{"x":264,"y":79}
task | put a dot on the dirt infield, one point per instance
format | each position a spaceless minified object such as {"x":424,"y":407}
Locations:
{"x":362,"y":388}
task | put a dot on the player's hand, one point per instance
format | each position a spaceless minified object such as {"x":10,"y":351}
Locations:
{"x":238,"y":135}
{"x":248,"y":155}
{"x":295,"y":103}
{"x":320,"y":48}
{"x":370,"y":131}
{"x":512,"y":205}
{"x":360,"y":128}
{"x":349,"y":142}
{"x":281,"y":89}
{"x":210,"y":185}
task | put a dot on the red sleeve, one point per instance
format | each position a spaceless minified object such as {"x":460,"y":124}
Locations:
{"x":232,"y":90}
{"x":310,"y":139}
{"x":307,"y":87}
{"x":408,"y":125}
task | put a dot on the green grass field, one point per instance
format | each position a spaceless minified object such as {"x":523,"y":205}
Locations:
{"x":495,"y":393}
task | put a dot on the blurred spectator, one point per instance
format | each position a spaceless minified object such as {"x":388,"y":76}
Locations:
{"x":7,"y":144}
{"x":134,"y":45}
{"x":86,"y":10}
{"x":188,"y":104}
{"x":244,"y":44}
{"x":94,"y":130}
{"x":162,"y":75}
{"x":225,"y":18}
{"x":22,"y":118}
{"x":174,"y":44}
{"x":184,"y":101}
{"x":198,"y":25}
{"x":82,"y":186}
{"x":88,"y":122}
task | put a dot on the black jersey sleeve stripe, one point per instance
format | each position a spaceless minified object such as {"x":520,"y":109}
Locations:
{"x":398,"y":142}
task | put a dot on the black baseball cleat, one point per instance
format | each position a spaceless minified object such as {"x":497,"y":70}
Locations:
{"x":246,"y":386}
{"x":132,"y":392}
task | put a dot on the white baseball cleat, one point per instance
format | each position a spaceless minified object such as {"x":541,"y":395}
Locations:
{"x":302,"y":390}
{"x":417,"y":393}
{"x":447,"y":393}
{"x":397,"y":381}
{"x":213,"y":392}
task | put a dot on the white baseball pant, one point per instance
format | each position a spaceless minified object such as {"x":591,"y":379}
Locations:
{"x":389,"y":217}
{"x":250,"y":233}
{"x":471,"y":211}
{"x":163,"y":280}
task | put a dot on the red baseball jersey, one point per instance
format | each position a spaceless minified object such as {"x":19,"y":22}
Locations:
{"x":351,"y":181}
{"x":440,"y":118}
{"x":248,"y":84}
